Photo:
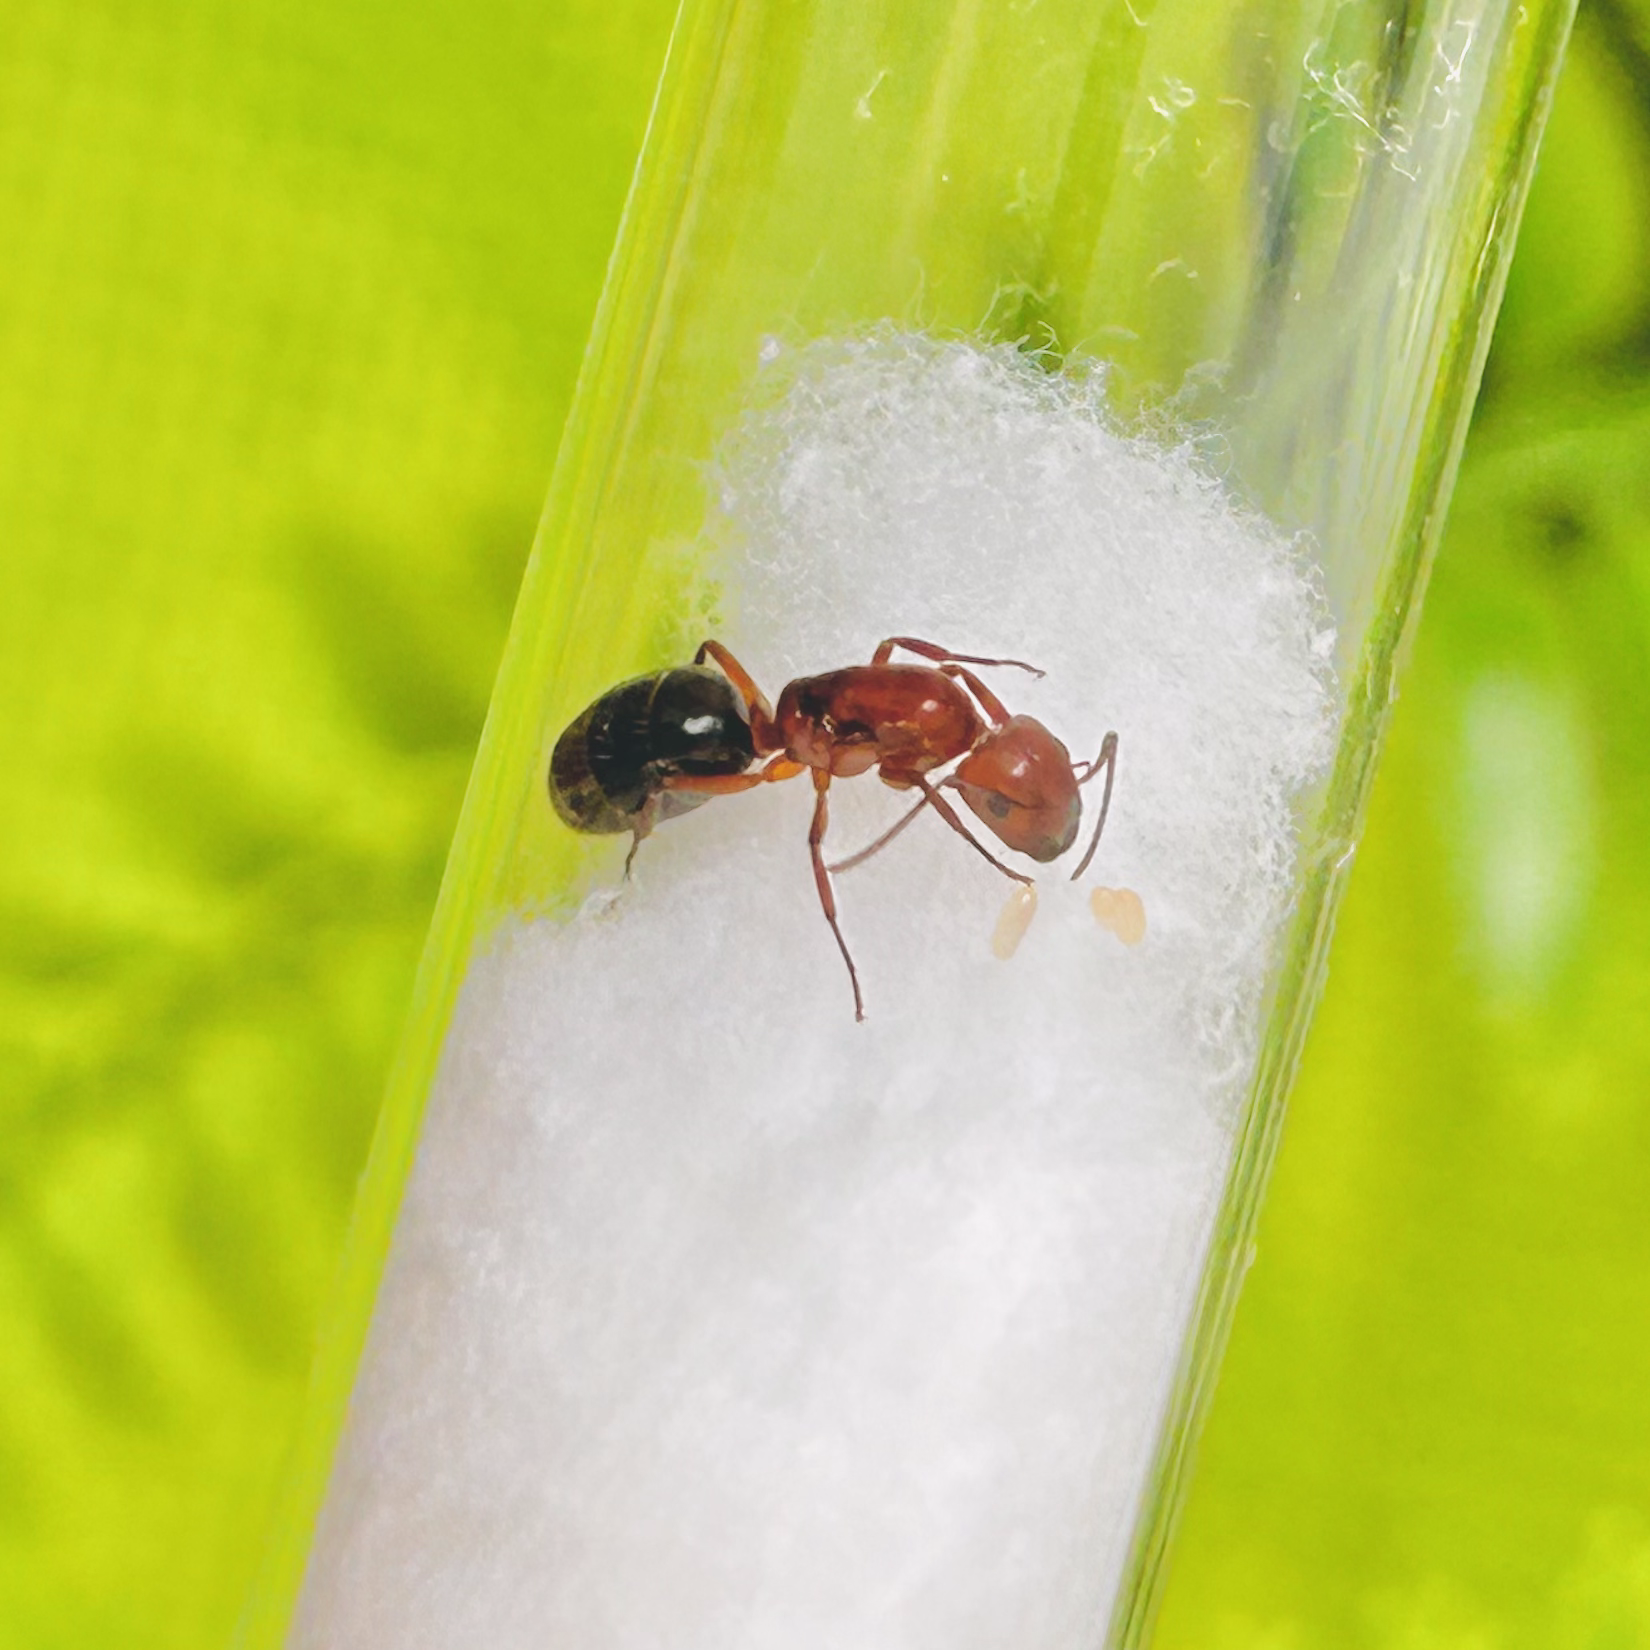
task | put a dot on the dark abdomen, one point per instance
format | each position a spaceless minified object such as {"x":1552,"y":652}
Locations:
{"x":620,"y":750}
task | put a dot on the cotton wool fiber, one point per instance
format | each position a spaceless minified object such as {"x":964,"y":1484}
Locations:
{"x":717,"y":1321}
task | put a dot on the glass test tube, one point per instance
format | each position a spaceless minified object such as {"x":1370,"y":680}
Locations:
{"x":1265,"y":238}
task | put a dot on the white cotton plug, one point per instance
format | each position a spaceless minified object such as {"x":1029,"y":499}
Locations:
{"x":717,"y":1321}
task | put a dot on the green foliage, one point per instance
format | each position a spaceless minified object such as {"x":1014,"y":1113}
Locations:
{"x":290,"y":308}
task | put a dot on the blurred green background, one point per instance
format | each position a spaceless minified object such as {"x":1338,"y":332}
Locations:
{"x":291,"y":300}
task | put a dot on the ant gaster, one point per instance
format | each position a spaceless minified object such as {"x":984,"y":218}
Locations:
{"x":611,"y":769}
{"x":904,"y":721}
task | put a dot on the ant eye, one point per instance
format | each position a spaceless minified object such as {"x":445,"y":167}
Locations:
{"x":998,"y":805}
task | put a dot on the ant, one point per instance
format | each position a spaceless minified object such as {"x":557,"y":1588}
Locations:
{"x":902,"y":720}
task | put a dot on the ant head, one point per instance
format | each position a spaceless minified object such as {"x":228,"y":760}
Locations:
{"x":1018,"y":780}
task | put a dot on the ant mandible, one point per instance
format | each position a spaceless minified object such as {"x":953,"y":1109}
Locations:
{"x":904,"y":721}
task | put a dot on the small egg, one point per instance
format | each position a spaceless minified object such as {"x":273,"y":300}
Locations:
{"x":1020,"y":908}
{"x":1120,"y":910}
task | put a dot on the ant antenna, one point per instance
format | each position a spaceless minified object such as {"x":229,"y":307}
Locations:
{"x":1107,"y":759}
{"x":949,"y":814}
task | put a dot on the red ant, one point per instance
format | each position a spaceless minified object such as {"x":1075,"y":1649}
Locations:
{"x":904,"y":721}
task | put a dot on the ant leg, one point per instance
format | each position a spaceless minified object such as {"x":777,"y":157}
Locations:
{"x":822,"y":879}
{"x":756,"y":702}
{"x":645,"y":821}
{"x":940,"y":655}
{"x":731,"y":784}
{"x":881,"y":842}
{"x":1107,"y":759}
{"x":949,"y":814}
{"x":989,"y":702}
{"x":709,"y":784}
